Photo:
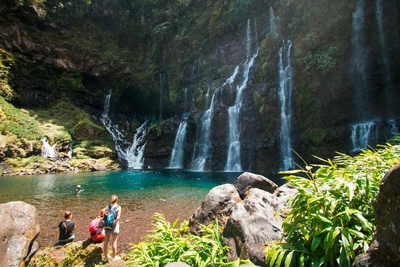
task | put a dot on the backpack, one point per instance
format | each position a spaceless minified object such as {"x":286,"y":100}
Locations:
{"x":94,"y":226}
{"x":109,"y":220}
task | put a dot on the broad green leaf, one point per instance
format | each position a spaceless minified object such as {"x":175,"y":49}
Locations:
{"x":280,"y":257}
{"x":315,"y":242}
{"x":330,"y":239}
{"x":288,"y":259}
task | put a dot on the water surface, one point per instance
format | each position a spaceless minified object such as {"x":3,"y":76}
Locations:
{"x":174,"y":193}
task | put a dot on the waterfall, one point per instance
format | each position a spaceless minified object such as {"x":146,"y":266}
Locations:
{"x":134,"y":153}
{"x":273,"y":28}
{"x":233,"y":162}
{"x":202,"y":147}
{"x":393,"y":128}
{"x":48,"y":151}
{"x":69,"y":154}
{"x":379,"y":19}
{"x":131,"y":152}
{"x":106,"y":105}
{"x":365,"y":131}
{"x":359,"y":63}
{"x":179,"y":145}
{"x":285,"y":98}
{"x":117,"y":136}
{"x":363,"y":134}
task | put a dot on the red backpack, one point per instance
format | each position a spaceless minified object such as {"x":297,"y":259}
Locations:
{"x":95,"y":225}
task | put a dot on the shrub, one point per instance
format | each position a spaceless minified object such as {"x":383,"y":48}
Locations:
{"x":172,"y":244}
{"x":331,"y":219}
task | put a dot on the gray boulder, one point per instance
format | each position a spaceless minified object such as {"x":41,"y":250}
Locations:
{"x":216,"y":205}
{"x":252,"y":223}
{"x":249,"y":180}
{"x":384,"y":250}
{"x":20,"y":227}
{"x":246,"y":213}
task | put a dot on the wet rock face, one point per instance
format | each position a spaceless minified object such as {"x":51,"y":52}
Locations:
{"x":20,"y":227}
{"x":384,"y":250}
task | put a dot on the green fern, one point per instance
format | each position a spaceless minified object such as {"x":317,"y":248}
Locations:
{"x":168,"y":243}
{"x":331,"y":219}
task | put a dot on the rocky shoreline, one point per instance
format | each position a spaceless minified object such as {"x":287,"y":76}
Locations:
{"x":61,"y":165}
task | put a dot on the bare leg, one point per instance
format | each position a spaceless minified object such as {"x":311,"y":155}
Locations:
{"x":105,"y":245}
{"x":114,"y":238}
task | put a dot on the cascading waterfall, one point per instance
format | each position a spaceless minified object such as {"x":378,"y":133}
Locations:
{"x":285,"y":98}
{"x":363,"y":134}
{"x":117,"y":136}
{"x":273,"y":28}
{"x":180,"y":140}
{"x":132,"y":153}
{"x":393,"y":128}
{"x":359,"y":63}
{"x":48,"y":151}
{"x":379,"y":19}
{"x":179,"y":145}
{"x":233,"y":162}
{"x":69,"y":154}
{"x":202,"y":147}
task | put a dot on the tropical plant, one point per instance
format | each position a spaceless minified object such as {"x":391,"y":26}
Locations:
{"x":331,"y":219}
{"x":173,"y":244}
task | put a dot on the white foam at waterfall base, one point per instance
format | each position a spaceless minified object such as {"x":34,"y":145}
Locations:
{"x":134,"y":153}
{"x":48,"y":151}
{"x":131,"y":152}
{"x":363,"y":134}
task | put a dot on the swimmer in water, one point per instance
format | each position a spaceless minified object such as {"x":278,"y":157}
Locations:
{"x":78,"y":189}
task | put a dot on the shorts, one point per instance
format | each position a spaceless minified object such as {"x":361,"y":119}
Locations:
{"x":114,"y":231}
{"x":69,"y":239}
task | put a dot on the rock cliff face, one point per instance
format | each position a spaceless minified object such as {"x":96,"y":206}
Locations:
{"x":162,"y":59}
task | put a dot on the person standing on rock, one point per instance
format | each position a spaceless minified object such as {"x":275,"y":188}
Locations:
{"x":111,"y":226}
{"x":66,"y":228}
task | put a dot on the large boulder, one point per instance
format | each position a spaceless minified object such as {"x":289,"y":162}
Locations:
{"x":249,"y":180}
{"x":384,"y":250}
{"x":20,"y":227}
{"x":246,"y":212}
{"x":252,"y":223}
{"x":216,"y":205}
